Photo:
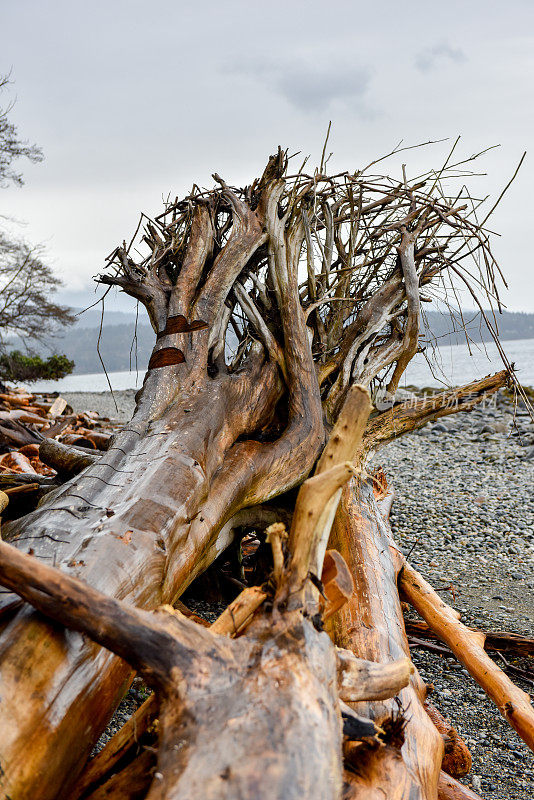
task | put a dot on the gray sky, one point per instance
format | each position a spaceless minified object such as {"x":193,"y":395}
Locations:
{"x":131,"y":101}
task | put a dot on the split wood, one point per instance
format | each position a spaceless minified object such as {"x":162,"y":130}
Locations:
{"x":468,"y":647}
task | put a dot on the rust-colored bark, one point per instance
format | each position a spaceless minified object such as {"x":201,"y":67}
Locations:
{"x":457,"y":759}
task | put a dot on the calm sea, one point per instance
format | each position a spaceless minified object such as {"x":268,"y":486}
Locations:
{"x":450,"y":365}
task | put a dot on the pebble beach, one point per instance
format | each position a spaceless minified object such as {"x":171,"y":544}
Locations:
{"x":464,"y":507}
{"x":464,"y":512}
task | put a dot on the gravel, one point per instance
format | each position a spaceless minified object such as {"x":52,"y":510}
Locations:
{"x":465,"y":504}
{"x":104,"y":403}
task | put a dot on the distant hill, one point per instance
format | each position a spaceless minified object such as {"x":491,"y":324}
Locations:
{"x":510,"y":324}
{"x":91,"y":318}
{"x":118,"y":348}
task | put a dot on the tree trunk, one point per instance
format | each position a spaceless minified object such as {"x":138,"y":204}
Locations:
{"x":155,"y":510}
{"x":139,"y":525}
{"x":255,"y":717}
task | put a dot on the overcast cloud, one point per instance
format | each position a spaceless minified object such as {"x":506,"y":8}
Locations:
{"x":311,"y":84}
{"x":431,"y":57}
{"x":131,"y":100}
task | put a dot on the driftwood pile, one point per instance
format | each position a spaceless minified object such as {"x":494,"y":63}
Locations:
{"x":43,"y":443}
{"x":277,"y":309}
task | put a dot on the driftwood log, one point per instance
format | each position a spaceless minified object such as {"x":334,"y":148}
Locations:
{"x":468,"y":647}
{"x":498,"y":641}
{"x":268,"y":304}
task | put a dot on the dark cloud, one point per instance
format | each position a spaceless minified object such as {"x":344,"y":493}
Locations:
{"x":428,"y":59}
{"x":310,"y":85}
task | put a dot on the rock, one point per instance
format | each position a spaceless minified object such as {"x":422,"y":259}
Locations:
{"x":499,"y":427}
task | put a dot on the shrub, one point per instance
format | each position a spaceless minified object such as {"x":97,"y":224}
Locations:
{"x":16,"y":366}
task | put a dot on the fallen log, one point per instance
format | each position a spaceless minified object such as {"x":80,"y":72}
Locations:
{"x":188,"y":664}
{"x":209,"y":691}
{"x":468,"y":647}
{"x":212,"y":689}
{"x":498,"y":641}
{"x":147,"y":538}
{"x":66,"y":459}
{"x":248,"y":364}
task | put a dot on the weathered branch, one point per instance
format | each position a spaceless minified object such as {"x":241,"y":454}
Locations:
{"x":66,"y":459}
{"x":145,"y":640}
{"x":413,"y":311}
{"x":319,"y":496}
{"x":359,"y":679}
{"x":468,"y":647}
{"x":414,"y":414}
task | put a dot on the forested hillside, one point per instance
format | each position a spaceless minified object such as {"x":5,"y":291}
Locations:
{"x":122,"y":341}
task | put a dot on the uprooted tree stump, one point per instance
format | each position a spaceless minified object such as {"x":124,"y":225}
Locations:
{"x":268,"y":304}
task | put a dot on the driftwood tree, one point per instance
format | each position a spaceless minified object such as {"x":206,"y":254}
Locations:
{"x":268,"y":304}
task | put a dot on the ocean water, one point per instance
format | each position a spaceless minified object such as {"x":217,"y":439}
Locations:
{"x":458,"y":364}
{"x":449,"y":365}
